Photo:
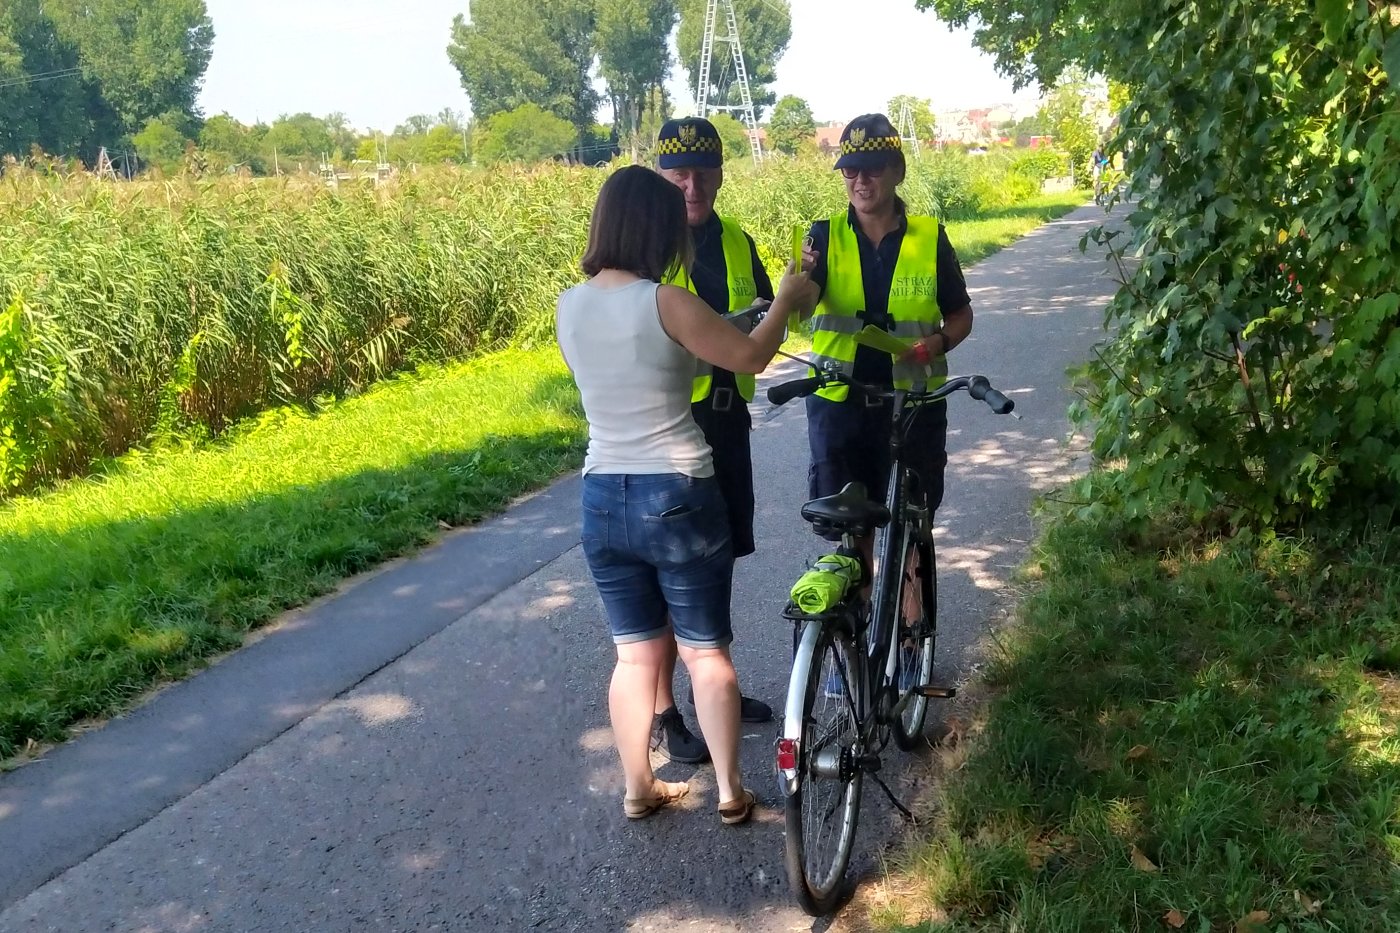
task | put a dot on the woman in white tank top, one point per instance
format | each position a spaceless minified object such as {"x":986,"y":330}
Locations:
{"x":655,"y":531}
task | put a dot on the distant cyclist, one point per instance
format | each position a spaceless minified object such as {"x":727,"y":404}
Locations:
{"x":1099,"y":162}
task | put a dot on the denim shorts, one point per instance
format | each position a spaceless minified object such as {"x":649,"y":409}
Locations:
{"x":658,"y":545}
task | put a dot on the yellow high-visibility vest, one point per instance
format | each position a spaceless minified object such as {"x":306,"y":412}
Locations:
{"x":743,"y":291}
{"x":913,"y":304}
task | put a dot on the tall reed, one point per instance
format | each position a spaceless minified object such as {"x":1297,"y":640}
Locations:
{"x":151,"y":313}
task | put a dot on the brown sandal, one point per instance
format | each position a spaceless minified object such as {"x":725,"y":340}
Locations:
{"x":637,"y":808}
{"x":738,"y":811}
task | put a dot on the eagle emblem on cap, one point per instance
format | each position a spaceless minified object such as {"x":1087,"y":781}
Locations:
{"x":857,"y":137}
{"x":688,"y":135}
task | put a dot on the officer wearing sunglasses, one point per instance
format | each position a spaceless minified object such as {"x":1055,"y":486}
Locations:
{"x":877,"y":264}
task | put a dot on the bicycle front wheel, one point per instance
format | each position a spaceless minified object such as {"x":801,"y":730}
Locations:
{"x":824,"y":805}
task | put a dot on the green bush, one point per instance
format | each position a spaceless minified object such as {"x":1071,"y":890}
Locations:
{"x":1256,"y":360}
{"x":1038,"y":164}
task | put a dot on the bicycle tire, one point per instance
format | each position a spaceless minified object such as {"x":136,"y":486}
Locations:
{"x":818,"y":882}
{"x":908,"y":727}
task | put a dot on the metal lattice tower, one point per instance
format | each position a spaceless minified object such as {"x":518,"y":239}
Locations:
{"x":908,"y":129}
{"x":105,"y":168}
{"x":703,"y":107}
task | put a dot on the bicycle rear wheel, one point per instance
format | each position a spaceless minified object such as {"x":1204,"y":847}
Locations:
{"x":824,"y":807}
{"x":917,"y":644}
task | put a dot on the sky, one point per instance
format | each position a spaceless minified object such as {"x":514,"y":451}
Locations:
{"x":381,"y":62}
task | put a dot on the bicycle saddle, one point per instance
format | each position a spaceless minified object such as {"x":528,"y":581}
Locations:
{"x":848,"y":510}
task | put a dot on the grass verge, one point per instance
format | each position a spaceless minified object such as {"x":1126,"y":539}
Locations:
{"x":111,"y":584}
{"x":1184,"y":732}
{"x":115,"y":583}
{"x":979,"y":238}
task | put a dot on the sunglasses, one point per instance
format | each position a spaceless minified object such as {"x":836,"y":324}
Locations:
{"x":853,"y":173}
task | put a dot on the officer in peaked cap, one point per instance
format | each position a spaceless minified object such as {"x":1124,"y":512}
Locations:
{"x":728,"y":276}
{"x":877,"y":264}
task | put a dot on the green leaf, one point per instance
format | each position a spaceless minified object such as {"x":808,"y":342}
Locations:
{"x":1363,"y":416}
{"x":1390,"y":59}
{"x":1333,"y":14}
{"x":1374,"y":312}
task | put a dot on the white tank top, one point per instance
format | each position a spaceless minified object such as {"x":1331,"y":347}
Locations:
{"x":635,"y":382}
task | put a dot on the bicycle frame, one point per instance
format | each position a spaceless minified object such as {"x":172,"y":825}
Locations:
{"x":874,"y":629}
{"x":905,"y":517}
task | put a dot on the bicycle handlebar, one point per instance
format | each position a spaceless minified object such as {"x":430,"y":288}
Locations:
{"x":750,"y":316}
{"x":977,"y":386}
{"x":798,"y":388}
{"x":980,"y":388}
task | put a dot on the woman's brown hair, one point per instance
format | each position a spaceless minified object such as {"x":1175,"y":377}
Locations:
{"x":638,"y":226}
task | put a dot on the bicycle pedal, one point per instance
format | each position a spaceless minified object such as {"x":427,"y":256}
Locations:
{"x":936,"y":693}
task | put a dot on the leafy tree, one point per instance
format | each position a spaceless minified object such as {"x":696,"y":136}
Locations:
{"x":1023,"y":129}
{"x":53,"y":113}
{"x":765,"y":28}
{"x":1254,"y":365}
{"x":656,"y":112}
{"x":513,"y":53}
{"x":791,"y":124}
{"x":342,"y":134}
{"x":528,"y":133}
{"x":416,"y":125}
{"x":228,"y":143}
{"x":454,"y":120}
{"x":598,"y":146}
{"x":298,"y":141}
{"x":160,"y":144}
{"x":733,"y":134}
{"x":634,"y":57}
{"x":104,"y":69}
{"x":1033,"y":41}
{"x":1067,"y":112}
{"x":424,"y":139}
{"x":921,"y":108}
{"x":442,"y":143}
{"x":144,"y":57}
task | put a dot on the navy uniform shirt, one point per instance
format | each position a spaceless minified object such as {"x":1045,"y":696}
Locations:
{"x":877,"y":264}
{"x":710,"y":276}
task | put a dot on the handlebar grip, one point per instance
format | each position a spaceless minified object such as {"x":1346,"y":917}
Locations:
{"x":980,"y":388}
{"x":785,"y":392}
{"x":999,"y":403}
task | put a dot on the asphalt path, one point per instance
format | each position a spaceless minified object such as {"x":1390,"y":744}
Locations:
{"x":429,"y":749}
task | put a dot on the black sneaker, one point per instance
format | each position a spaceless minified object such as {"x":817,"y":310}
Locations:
{"x":670,"y":737}
{"x":750,"y":710}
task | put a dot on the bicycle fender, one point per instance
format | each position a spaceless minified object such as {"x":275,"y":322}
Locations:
{"x":796,"y":695}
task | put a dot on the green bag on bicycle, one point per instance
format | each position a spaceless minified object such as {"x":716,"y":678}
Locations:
{"x":821,"y":588}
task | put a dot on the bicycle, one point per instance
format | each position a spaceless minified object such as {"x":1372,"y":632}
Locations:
{"x":845,"y":699}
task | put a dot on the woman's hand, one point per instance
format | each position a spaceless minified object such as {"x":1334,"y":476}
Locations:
{"x":796,"y":291}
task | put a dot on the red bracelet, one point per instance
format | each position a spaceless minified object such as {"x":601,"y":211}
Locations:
{"x":922,"y":356}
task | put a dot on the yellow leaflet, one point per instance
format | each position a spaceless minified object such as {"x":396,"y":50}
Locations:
{"x":874,"y":337}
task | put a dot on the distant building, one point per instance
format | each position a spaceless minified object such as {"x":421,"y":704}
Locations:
{"x":979,"y":126}
{"x":829,"y":137}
